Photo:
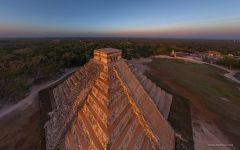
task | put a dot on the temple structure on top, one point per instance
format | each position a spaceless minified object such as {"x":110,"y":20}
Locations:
{"x":107,"y":55}
{"x":107,"y":104}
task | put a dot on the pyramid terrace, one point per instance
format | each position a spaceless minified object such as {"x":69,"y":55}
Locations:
{"x":108,"y":104}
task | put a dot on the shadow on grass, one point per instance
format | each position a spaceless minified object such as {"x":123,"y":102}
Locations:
{"x":46,"y":105}
{"x":179,"y":116}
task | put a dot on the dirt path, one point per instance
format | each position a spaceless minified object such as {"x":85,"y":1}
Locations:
{"x":206,"y":135}
{"x":230,"y":74}
{"x":20,"y":123}
{"x":24,"y":103}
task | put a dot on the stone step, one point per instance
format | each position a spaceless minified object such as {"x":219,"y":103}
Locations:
{"x":83,"y":142}
{"x":117,"y":120}
{"x":99,"y":103}
{"x":90,"y":130}
{"x":59,"y":100}
{"x":151,"y":86}
{"x":90,"y":67}
{"x":72,"y":141}
{"x":96,"y":108}
{"x":162,"y":102}
{"x":66,"y":144}
{"x":152,"y":92}
{"x":69,"y":83}
{"x":157,"y":96}
{"x":74,"y":80}
{"x":167,"y":105}
{"x":81,"y":73}
{"x":138,"y":75}
{"x":103,"y":88}
{"x":130,"y":65}
{"x":141,"y":78}
{"x":129,"y":135}
{"x":66,"y":88}
{"x":101,"y":91}
{"x":148,"y":85}
{"x":114,"y":90}
{"x":145,"y":143}
{"x":86,"y":67}
{"x":149,"y":145}
{"x":115,"y":113}
{"x":134,"y":143}
{"x":78,"y":77}
{"x":116,"y":100}
{"x":56,"y":96}
{"x":65,"y":85}
{"x":62,"y":95}
{"x":135,"y":70}
{"x":144,"y":81}
{"x":116,"y":143}
{"x":158,"y":89}
{"x":102,"y":125}
{"x":67,"y":95}
{"x":103,"y":76}
{"x":78,"y":72}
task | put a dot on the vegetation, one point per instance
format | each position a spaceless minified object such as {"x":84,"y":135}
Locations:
{"x":230,"y":62}
{"x":28,"y":61}
{"x":201,"y":85}
{"x":24,"y":63}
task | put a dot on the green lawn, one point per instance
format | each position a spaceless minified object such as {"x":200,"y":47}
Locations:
{"x":204,"y":83}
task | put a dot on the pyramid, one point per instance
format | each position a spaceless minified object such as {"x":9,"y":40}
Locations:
{"x":108,"y":104}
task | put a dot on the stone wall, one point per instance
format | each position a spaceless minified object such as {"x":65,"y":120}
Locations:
{"x":69,"y":97}
{"x":161,"y":98}
{"x":109,"y":119}
{"x":107,"y":107}
{"x":158,"y":124}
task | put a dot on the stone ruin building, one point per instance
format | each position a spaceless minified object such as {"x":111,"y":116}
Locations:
{"x":107,"y":104}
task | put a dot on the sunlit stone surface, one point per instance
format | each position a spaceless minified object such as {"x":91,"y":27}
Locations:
{"x":108,"y":104}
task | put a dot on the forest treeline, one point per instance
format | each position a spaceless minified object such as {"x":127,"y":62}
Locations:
{"x":25,"y":62}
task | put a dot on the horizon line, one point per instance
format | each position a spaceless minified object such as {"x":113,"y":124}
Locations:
{"x":116,"y":37}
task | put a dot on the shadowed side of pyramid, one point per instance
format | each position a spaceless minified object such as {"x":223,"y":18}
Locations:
{"x":68,"y":98}
{"x":161,"y":98}
{"x":116,"y":112}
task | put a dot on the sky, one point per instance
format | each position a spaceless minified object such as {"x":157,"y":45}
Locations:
{"x":210,"y":19}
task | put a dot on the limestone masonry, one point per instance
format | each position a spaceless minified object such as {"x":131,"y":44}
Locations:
{"x":107,"y":104}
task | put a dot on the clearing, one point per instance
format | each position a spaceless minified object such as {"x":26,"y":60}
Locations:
{"x":206,"y":104}
{"x":21,"y":124}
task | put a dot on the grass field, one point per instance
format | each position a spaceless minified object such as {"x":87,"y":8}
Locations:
{"x":204,"y":87}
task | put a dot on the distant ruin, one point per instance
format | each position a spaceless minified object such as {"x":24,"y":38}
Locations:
{"x":107,"y":104}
